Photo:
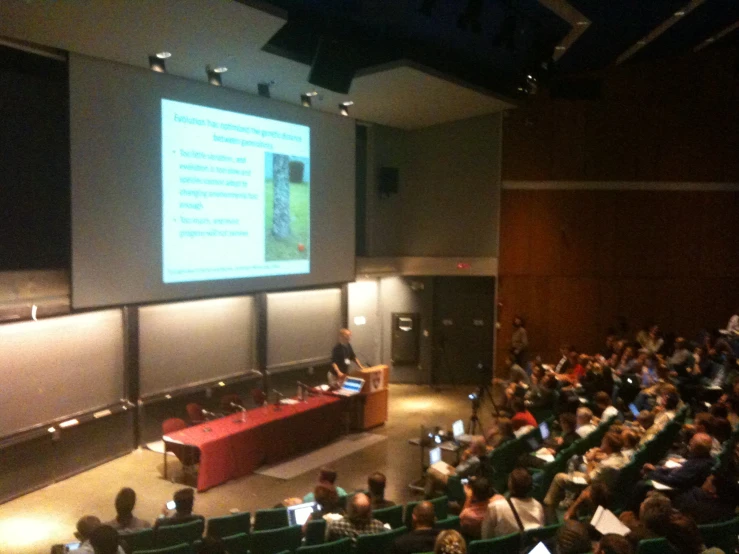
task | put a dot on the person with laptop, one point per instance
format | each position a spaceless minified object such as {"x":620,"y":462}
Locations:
{"x":342,"y":356}
{"x":326,"y":505}
{"x":437,"y":475}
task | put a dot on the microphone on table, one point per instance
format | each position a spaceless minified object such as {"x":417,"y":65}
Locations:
{"x":242,"y":418}
{"x":207,"y":414}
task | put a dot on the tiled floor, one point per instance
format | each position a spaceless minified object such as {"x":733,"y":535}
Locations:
{"x":32,"y":523}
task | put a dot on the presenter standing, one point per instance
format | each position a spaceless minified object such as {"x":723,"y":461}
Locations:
{"x":342,"y":357}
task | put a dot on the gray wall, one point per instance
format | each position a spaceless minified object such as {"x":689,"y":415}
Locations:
{"x":449,"y":198}
{"x":364,"y":302}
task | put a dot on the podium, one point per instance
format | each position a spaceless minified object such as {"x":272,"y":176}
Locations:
{"x":371,"y":404}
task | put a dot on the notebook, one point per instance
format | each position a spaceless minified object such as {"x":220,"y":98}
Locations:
{"x":605,"y":521}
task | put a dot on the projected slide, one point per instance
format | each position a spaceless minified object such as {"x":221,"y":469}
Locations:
{"x":235,"y":195}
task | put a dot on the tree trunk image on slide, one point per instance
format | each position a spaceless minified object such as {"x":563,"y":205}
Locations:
{"x":281,"y":199}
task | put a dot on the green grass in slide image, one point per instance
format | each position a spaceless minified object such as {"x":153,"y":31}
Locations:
{"x":296,"y":246}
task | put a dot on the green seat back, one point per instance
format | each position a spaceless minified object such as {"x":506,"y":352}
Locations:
{"x":455,"y":489}
{"x":274,"y":518}
{"x":393,"y":516}
{"x":183,"y":548}
{"x":451,"y":522}
{"x":315,"y":532}
{"x":276,"y":540}
{"x":227,"y":526}
{"x":654,"y":546}
{"x":170,"y":535}
{"x":441,"y":510}
{"x":533,"y":536}
{"x":507,"y":544}
{"x":379,"y":542}
{"x":237,"y":544}
{"x":722,"y":535}
{"x":342,"y":546}
{"x":138,"y":540}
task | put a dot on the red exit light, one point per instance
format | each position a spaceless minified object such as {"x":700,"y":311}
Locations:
{"x":463,"y":265}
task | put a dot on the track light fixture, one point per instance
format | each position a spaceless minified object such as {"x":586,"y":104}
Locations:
{"x":344,"y":107}
{"x":306,"y":99}
{"x":156,"y":62}
{"x":214,"y":75}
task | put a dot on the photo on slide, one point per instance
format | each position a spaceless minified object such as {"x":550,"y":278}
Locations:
{"x":287,"y":207}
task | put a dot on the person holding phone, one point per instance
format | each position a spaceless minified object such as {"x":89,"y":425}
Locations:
{"x":182,"y":504}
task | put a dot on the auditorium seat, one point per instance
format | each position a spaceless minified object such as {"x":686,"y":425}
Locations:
{"x":276,"y":540}
{"x":655,"y":546}
{"x":273,"y":518}
{"x":183,"y":548}
{"x":226,"y":526}
{"x":722,"y":535}
{"x":342,"y":546}
{"x":379,"y":542}
{"x":315,"y":532}
{"x":451,"y":522}
{"x":170,"y":535}
{"x":535,"y":536}
{"x":237,"y":544}
{"x":393,"y":516}
{"x":227,"y":400}
{"x":173,"y":424}
{"x":138,"y":540}
{"x":507,"y":544}
{"x":195,"y":413}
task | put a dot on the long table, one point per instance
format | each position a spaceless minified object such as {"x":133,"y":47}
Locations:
{"x":230,"y":448}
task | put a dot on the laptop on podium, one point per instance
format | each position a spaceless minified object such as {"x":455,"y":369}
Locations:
{"x":351,"y":386}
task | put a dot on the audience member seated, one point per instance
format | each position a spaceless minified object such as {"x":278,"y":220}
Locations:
{"x":477,"y":494}
{"x":630,"y":439}
{"x":652,"y":519}
{"x":663,"y":414}
{"x":692,"y":472}
{"x":423,"y":535}
{"x":584,"y":422}
{"x":585,"y":505}
{"x":470,"y":464}
{"x":569,"y":355}
{"x":573,"y":538}
{"x":684,"y":537}
{"x":376,"y":487}
{"x":125,"y":521}
{"x":543,"y":394}
{"x":554,"y":444}
{"x":450,"y":542}
{"x":85,"y":526}
{"x":523,"y":420}
{"x":501,"y":513}
{"x":326,"y":476}
{"x":327,"y":498}
{"x":184,"y":500}
{"x":601,"y":463}
{"x":518,"y":382}
{"x":715,"y":500}
{"x":358,"y":521}
{"x":613,"y":544}
{"x":500,"y":432}
{"x":606,"y":409}
{"x":104,"y":540}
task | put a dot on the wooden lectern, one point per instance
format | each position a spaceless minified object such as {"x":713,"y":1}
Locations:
{"x":372,"y":402}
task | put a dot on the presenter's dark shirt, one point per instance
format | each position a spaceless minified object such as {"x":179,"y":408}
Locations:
{"x":340,"y":354}
{"x":422,"y":540}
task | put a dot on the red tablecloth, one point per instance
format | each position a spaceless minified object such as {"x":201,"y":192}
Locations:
{"x":230,"y":448}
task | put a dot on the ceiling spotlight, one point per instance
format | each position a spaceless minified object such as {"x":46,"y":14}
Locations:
{"x":679,"y":13}
{"x":163,"y":55}
{"x":214,"y":75}
{"x":344,"y":107}
{"x":560,"y":48}
{"x":582,"y":23}
{"x":157,"y":64}
{"x":263,"y":89}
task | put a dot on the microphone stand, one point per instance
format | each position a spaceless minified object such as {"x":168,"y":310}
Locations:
{"x":242,"y":417}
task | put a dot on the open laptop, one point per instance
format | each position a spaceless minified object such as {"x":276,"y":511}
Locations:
{"x":535,"y":442}
{"x":351,"y":386}
{"x":458,"y":432}
{"x":298,"y":514}
{"x":435,"y":461}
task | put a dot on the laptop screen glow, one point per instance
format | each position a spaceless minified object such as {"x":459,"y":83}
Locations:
{"x":434,"y":455}
{"x":458,"y":428}
{"x":544,"y":430}
{"x":298,"y":515}
{"x":634,"y":410}
{"x":352,"y":384}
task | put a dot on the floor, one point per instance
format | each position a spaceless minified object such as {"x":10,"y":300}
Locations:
{"x":32,"y":523}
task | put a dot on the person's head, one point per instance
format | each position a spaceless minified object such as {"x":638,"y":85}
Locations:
{"x":125,"y":500}
{"x":478,"y":446}
{"x":704,"y":423}
{"x":671,"y":400}
{"x":655,"y":512}
{"x":700,"y":445}
{"x":502,"y":428}
{"x":719,"y":410}
{"x":629,"y":439}
{"x":481,"y":490}
{"x":360,"y":508}
{"x":376,"y":484}
{"x":722,"y":429}
{"x":682,"y":533}
{"x":450,"y":541}
{"x":572,"y":356}
{"x":573,"y":538}
{"x":645,"y":419}
{"x":518,"y":322}
{"x":85,"y":526}
{"x":345,"y":335}
{"x":680,"y":343}
{"x":565,"y":350}
{"x":568,"y":422}
{"x":326,"y":496}
{"x":722,"y":487}
{"x":602,"y":400}
{"x":611,"y":443}
{"x":184,"y":499}
{"x":654,"y":331}
{"x":600,"y":494}
{"x":614,"y":544}
{"x":519,"y":483}
{"x":583,"y":359}
{"x":584,"y":415}
{"x":517,"y":405}
{"x":104,"y":540}
{"x":549,"y":381}
{"x":424,"y":516}
{"x":327,"y":475}
{"x":212,"y":545}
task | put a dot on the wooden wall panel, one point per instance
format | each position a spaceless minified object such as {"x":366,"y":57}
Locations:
{"x":597,"y":257}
